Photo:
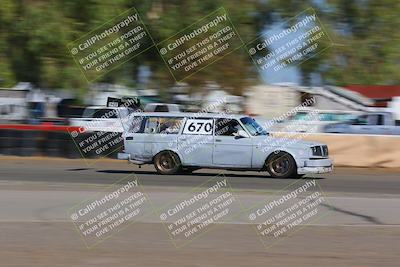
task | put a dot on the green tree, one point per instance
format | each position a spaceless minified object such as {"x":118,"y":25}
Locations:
{"x":34,"y":36}
{"x":365,"y":35}
{"x":367,"y":42}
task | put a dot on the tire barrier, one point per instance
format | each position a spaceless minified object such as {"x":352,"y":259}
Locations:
{"x":50,"y":143}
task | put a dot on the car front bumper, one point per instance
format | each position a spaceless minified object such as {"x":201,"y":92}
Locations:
{"x":316,"y":166}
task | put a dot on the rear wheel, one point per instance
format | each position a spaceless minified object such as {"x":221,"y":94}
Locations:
{"x":167,"y":162}
{"x":281,"y":165}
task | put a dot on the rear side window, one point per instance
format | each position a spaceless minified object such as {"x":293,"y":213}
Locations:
{"x":151,"y":125}
{"x":170,"y":125}
{"x":163,"y":125}
{"x":137,"y":124}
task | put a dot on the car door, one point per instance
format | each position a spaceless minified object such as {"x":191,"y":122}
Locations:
{"x":195,"y":143}
{"x":157,"y":134}
{"x":231,"y":150}
{"x":134,"y":137}
{"x":152,"y":139}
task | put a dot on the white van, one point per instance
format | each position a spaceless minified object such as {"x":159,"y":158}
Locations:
{"x":176,"y":142}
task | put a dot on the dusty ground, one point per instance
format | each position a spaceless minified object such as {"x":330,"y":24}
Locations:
{"x":57,"y":244}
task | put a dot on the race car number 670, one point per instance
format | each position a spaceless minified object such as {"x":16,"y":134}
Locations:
{"x":197,"y":126}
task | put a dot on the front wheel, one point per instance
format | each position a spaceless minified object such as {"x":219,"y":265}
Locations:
{"x":167,"y":162}
{"x":281,"y":165}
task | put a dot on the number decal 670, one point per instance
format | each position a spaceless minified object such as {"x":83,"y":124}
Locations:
{"x":198,"y":126}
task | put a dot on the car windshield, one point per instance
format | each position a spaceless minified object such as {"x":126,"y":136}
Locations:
{"x":253,"y":127}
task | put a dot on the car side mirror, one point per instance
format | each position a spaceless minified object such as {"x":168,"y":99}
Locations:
{"x":241,"y":134}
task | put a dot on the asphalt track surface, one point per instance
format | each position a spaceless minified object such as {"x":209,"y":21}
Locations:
{"x":362,"y":228}
{"x":343,"y":180}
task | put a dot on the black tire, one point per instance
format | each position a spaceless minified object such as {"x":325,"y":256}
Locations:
{"x":167,"y":162}
{"x":281,"y":165}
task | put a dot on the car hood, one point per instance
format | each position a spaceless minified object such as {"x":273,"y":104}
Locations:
{"x":286,"y":142}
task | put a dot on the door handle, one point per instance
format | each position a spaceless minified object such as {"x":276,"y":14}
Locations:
{"x":129,"y":138}
{"x":217,"y":140}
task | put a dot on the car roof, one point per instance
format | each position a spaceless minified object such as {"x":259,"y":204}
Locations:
{"x":191,"y":115}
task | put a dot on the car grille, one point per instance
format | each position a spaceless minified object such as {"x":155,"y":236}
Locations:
{"x":321,"y":151}
{"x":325,"y":151}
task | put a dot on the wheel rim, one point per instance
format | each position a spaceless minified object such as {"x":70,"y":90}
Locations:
{"x":280,"y":165}
{"x":166,"y":162}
